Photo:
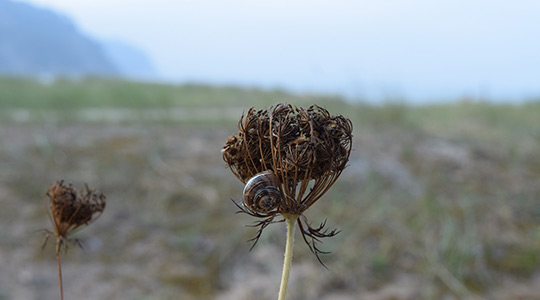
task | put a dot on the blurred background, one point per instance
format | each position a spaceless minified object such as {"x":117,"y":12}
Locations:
{"x":441,"y":198}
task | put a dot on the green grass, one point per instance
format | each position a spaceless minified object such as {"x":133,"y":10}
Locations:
{"x":101,"y":93}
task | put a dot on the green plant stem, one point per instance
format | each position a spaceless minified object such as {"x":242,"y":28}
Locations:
{"x":291,"y":220}
{"x":58,"y":246}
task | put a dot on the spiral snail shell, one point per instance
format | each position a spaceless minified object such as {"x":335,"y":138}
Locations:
{"x":261,"y":192}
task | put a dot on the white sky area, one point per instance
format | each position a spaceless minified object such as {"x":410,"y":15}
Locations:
{"x":418,"y":50}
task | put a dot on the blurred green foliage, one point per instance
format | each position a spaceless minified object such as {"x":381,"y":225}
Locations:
{"x":109,"y":93}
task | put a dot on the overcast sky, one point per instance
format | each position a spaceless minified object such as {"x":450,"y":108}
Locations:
{"x":417,"y":49}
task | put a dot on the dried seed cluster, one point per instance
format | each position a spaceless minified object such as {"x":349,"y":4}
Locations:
{"x":305,"y":149}
{"x":70,"y":209}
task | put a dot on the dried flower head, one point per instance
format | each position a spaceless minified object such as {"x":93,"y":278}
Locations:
{"x":69,"y":209}
{"x":296,"y":151}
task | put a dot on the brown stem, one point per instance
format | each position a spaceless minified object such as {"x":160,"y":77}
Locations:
{"x":58,"y":246}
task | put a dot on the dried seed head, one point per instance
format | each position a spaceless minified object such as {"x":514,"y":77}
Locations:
{"x":306,"y":150}
{"x":70,"y":209}
{"x":300,"y":146}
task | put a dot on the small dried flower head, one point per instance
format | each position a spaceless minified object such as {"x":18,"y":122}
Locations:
{"x":305,"y":149}
{"x":69,"y":209}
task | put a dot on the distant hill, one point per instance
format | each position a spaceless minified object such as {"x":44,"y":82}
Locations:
{"x":39,"y":42}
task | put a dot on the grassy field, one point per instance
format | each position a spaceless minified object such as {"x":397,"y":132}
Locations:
{"x":438,"y":201}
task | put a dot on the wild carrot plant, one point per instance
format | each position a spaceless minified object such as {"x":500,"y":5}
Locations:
{"x":68,"y":211}
{"x":288,"y":157}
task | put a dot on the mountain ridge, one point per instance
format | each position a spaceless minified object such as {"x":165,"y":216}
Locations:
{"x":37,"y":41}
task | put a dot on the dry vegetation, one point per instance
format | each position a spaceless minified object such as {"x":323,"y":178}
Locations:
{"x":437,"y":202}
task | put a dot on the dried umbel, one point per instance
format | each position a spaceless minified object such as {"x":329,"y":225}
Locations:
{"x":70,"y":209}
{"x":300,"y":152}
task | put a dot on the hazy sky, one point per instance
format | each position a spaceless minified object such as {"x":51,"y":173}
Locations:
{"x":417,"y":49}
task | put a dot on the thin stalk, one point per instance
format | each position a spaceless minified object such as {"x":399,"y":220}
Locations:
{"x":291,"y":220}
{"x":58,"y":246}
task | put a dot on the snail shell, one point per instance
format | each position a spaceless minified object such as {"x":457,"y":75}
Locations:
{"x":261,"y":192}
